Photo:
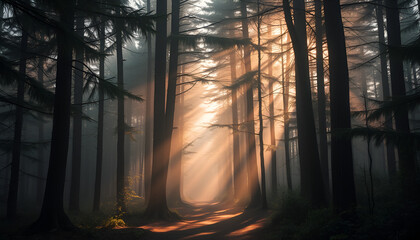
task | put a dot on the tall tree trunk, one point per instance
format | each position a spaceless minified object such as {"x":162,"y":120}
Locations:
{"x":273,"y":147}
{"x":52,"y":214}
{"x":121,"y":204}
{"x":77,"y":123}
{"x":390,"y":151}
{"x":260,"y":115}
{"x":237,"y":169}
{"x":100,"y":130}
{"x":235,"y":130}
{"x":343,"y":189}
{"x":178,"y":146}
{"x":285,"y":83}
{"x":17,"y":137}
{"x":253,"y":183}
{"x":172,"y":81}
{"x":157,"y":205}
{"x":406,"y":153}
{"x":41,"y":154}
{"x":322,"y":119}
{"x":310,"y":169}
{"x":149,"y":118}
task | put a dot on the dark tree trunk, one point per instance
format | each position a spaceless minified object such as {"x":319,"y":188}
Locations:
{"x":253,"y":183}
{"x":285,"y":77}
{"x":390,"y":151}
{"x":157,"y":205}
{"x":172,"y":81}
{"x":260,"y":115}
{"x":272,"y":126}
{"x":406,"y":153}
{"x":322,"y":119}
{"x":149,"y":118}
{"x":310,"y":168}
{"x":121,"y":204}
{"x":52,"y":214}
{"x":41,"y":154}
{"x":17,"y":136}
{"x":77,"y":123}
{"x":343,"y":189}
{"x":100,"y":130}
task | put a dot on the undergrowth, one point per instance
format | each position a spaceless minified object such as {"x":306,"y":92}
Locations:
{"x":393,"y":218}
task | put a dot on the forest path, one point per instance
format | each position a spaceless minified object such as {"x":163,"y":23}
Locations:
{"x":209,"y":222}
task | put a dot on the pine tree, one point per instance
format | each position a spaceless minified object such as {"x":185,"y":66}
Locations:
{"x":343,"y":189}
{"x":310,"y":169}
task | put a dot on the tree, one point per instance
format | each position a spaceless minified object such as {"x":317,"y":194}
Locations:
{"x":390,"y":152}
{"x":157,"y":205}
{"x":77,"y":122}
{"x":343,"y":189}
{"x":52,"y":214}
{"x":310,"y":169}
{"x":149,"y":117}
{"x":271,"y":113}
{"x":121,"y":205}
{"x":172,"y":86}
{"x":322,"y":121}
{"x":260,"y":115}
{"x":253,"y":183}
{"x":285,"y":82}
{"x":406,"y":153}
{"x":235,"y":128}
{"x":16,"y":149}
{"x":100,"y":130}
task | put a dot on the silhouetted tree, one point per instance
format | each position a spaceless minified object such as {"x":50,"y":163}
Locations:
{"x":310,"y":170}
{"x":343,"y":189}
{"x":322,"y":119}
{"x":77,"y":121}
{"x":253,"y":183}
{"x":406,"y":153}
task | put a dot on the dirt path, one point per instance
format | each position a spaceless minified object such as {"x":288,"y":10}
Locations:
{"x":214,"y":222}
{"x":209,"y":222}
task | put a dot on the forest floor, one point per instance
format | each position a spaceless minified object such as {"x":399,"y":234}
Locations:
{"x":210,"y":222}
{"x":197,"y":222}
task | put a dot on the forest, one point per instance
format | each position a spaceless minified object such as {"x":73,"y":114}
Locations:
{"x":210,"y":119}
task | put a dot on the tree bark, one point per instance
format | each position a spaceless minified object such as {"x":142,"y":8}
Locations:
{"x":406,"y":153}
{"x":17,"y":136}
{"x":149,"y":118}
{"x":121,"y":204}
{"x":322,"y":119}
{"x":390,"y":151}
{"x":41,"y":154}
{"x":52,"y":214}
{"x":100,"y":130}
{"x":172,"y":82}
{"x":253,"y":182}
{"x":285,"y":83}
{"x":157,"y":204}
{"x":260,"y":115}
{"x":74,"y":204}
{"x":310,"y":168}
{"x":235,"y":129}
{"x":343,"y":189}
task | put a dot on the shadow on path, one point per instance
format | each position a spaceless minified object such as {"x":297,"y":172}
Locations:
{"x":209,"y":222}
